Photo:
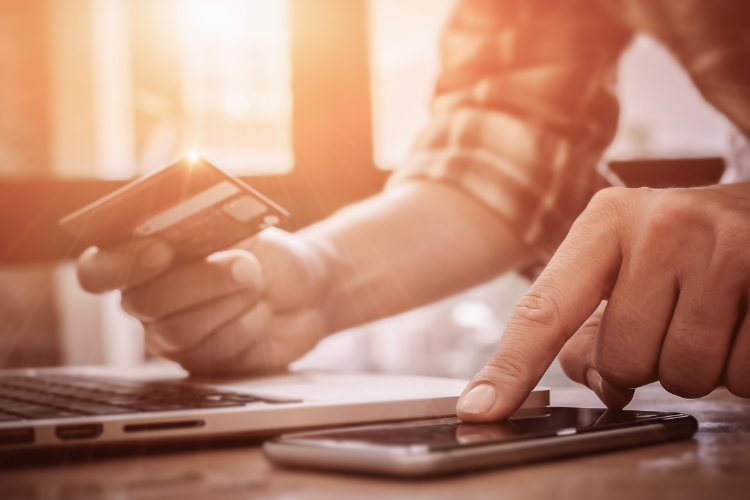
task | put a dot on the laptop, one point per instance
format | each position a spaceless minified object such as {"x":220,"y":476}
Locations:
{"x":73,"y":406}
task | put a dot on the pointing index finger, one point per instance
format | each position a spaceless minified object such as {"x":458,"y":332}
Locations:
{"x":579,"y":276}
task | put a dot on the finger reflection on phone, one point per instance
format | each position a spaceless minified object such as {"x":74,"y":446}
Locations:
{"x":611,"y":417}
{"x":479,"y":433}
{"x":470,"y":433}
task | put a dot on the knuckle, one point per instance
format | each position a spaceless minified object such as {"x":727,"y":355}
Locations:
{"x":687,"y":223}
{"x":672,"y":223}
{"x":604,"y":218}
{"x":609,"y":197}
{"x":673,"y":210}
{"x":731,"y":230}
{"x":539,"y":307}
{"x":731,"y":248}
{"x":609,"y":204}
{"x":623,"y":372}
{"x":676,"y":203}
{"x":667,"y":208}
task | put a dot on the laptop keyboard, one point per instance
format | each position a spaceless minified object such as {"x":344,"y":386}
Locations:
{"x":67,"y":396}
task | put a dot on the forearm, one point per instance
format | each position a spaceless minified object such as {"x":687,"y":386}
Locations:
{"x":409,"y":246}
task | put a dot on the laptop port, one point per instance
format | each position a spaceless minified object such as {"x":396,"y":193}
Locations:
{"x":78,"y":431}
{"x":164,"y":426}
{"x":24,"y":435}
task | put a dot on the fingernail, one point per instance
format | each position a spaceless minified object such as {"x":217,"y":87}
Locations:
{"x":478,"y":400}
{"x":244,"y":272}
{"x":156,"y":255}
{"x":594,"y":381}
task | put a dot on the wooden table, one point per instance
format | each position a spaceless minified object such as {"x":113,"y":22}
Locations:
{"x":716,"y":464}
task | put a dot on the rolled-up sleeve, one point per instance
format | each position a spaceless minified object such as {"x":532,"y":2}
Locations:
{"x":523,"y":109}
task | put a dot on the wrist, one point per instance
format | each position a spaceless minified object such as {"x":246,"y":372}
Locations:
{"x":325,"y":263}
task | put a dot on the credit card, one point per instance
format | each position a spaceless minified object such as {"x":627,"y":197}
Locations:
{"x":194,"y":206}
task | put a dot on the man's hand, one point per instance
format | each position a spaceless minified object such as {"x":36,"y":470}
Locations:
{"x":251,"y":309}
{"x":674,"y":268}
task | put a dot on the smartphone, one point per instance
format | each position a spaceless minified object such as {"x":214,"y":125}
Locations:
{"x":193,"y":205}
{"x":447,"y":445}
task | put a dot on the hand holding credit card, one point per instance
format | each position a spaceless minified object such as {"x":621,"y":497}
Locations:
{"x":159,"y":241}
{"x":192,"y":205}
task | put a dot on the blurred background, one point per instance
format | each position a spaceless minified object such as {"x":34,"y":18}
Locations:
{"x":312,"y":101}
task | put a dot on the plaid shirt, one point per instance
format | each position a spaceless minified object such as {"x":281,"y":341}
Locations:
{"x":525,"y":104}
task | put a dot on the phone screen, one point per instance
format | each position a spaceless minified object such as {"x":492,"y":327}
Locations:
{"x":449,"y":433}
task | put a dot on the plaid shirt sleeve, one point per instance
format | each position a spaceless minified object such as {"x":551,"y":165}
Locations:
{"x":523,"y":109}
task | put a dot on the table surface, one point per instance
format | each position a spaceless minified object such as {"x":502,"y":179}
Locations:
{"x":715,"y":464}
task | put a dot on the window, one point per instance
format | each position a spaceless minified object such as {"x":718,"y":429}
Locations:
{"x":404,"y":64}
{"x":236,"y":87}
{"x":158,"y":79}
{"x":662,"y":113}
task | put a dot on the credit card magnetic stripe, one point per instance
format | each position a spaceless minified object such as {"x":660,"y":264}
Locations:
{"x":201,"y":201}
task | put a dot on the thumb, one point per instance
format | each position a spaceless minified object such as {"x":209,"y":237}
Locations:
{"x":579,"y":275}
{"x":578,"y":361}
